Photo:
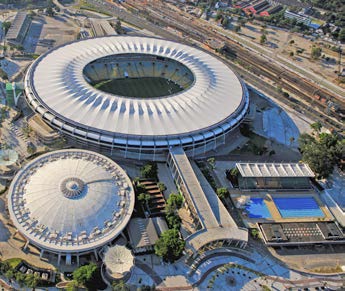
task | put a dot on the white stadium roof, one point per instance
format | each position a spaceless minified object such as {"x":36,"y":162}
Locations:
{"x":58,"y":90}
{"x":71,"y":201}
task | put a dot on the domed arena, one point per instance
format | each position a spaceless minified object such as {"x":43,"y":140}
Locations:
{"x":71,"y":202}
{"x":137,"y":96}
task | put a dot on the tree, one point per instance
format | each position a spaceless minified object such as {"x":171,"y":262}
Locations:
{"x":144,"y":198}
{"x":118,"y":26}
{"x":9,"y":274}
{"x":149,"y":171}
{"x":222,"y":192}
{"x":141,"y":188}
{"x":316,"y":52}
{"x":4,"y":267}
{"x":50,"y":11}
{"x":84,"y":274}
{"x":234,"y":171}
{"x":263,"y":38}
{"x":174,"y":203}
{"x":161,"y":186}
{"x":237,"y":28}
{"x":32,"y":280}
{"x":72,"y":286}
{"x":212,"y":162}
{"x":3,"y":74}
{"x":20,"y":278}
{"x":173,"y":220}
{"x":175,"y":200}
{"x":225,"y":22}
{"x":120,"y":286}
{"x":219,"y":15}
{"x":316,"y":126}
{"x":6,"y":26}
{"x":169,"y":246}
{"x":322,"y":152}
{"x":341,"y":36}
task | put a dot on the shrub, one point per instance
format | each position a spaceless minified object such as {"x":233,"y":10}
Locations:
{"x":222,"y":193}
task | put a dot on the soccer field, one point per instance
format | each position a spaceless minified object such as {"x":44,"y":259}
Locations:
{"x":146,"y":87}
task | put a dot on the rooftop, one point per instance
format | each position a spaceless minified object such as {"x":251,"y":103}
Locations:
{"x":144,"y":232}
{"x":16,"y":25}
{"x":301,"y":232}
{"x":118,"y":260}
{"x":113,"y":114}
{"x":283,"y":170}
{"x":217,"y":223}
{"x":71,"y":200}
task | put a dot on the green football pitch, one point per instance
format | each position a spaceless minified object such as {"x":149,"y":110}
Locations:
{"x":146,"y":87}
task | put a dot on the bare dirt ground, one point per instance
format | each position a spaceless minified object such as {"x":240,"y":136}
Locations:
{"x":47,"y":32}
{"x":11,"y":244}
{"x":326,"y":259}
{"x":278,"y":42}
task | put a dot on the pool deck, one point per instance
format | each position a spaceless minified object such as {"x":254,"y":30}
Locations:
{"x":268,"y":197}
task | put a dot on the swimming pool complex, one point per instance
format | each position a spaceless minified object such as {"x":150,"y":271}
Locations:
{"x":290,"y":207}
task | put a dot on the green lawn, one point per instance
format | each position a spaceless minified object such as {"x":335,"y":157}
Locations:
{"x":14,"y":262}
{"x":147,"y":87}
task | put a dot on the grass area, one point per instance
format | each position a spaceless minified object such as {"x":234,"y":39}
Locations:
{"x":256,"y":145}
{"x":328,"y":270}
{"x":147,"y":87}
{"x":14,"y":262}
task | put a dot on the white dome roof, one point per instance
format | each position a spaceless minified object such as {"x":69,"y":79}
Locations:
{"x":118,"y":260}
{"x":71,"y":200}
{"x":57,"y":83}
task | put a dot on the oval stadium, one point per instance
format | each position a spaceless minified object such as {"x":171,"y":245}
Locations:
{"x":137,"y":96}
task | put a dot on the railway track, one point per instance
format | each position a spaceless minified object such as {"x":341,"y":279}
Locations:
{"x":310,"y":94}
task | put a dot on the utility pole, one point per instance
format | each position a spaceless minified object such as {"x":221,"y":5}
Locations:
{"x":339,"y":65}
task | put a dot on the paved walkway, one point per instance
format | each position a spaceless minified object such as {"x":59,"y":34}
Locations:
{"x":164,"y":176}
{"x":144,"y":267}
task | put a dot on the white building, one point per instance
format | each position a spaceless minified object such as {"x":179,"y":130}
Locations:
{"x":71,"y":202}
{"x":212,"y":100}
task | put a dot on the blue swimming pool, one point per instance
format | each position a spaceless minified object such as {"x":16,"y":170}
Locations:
{"x":298,"y":207}
{"x":257,"y":209}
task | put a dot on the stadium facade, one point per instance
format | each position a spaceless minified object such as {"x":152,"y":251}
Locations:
{"x":71,"y":202}
{"x":210,"y":102}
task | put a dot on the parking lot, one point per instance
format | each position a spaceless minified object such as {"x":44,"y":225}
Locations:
{"x":47,"y":32}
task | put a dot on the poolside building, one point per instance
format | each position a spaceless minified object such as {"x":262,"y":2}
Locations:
{"x":70,"y":202}
{"x":301,"y":233}
{"x":287,"y":176}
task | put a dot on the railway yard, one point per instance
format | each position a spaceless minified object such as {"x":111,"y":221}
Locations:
{"x":318,"y":102}
{"x":304,"y":95}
